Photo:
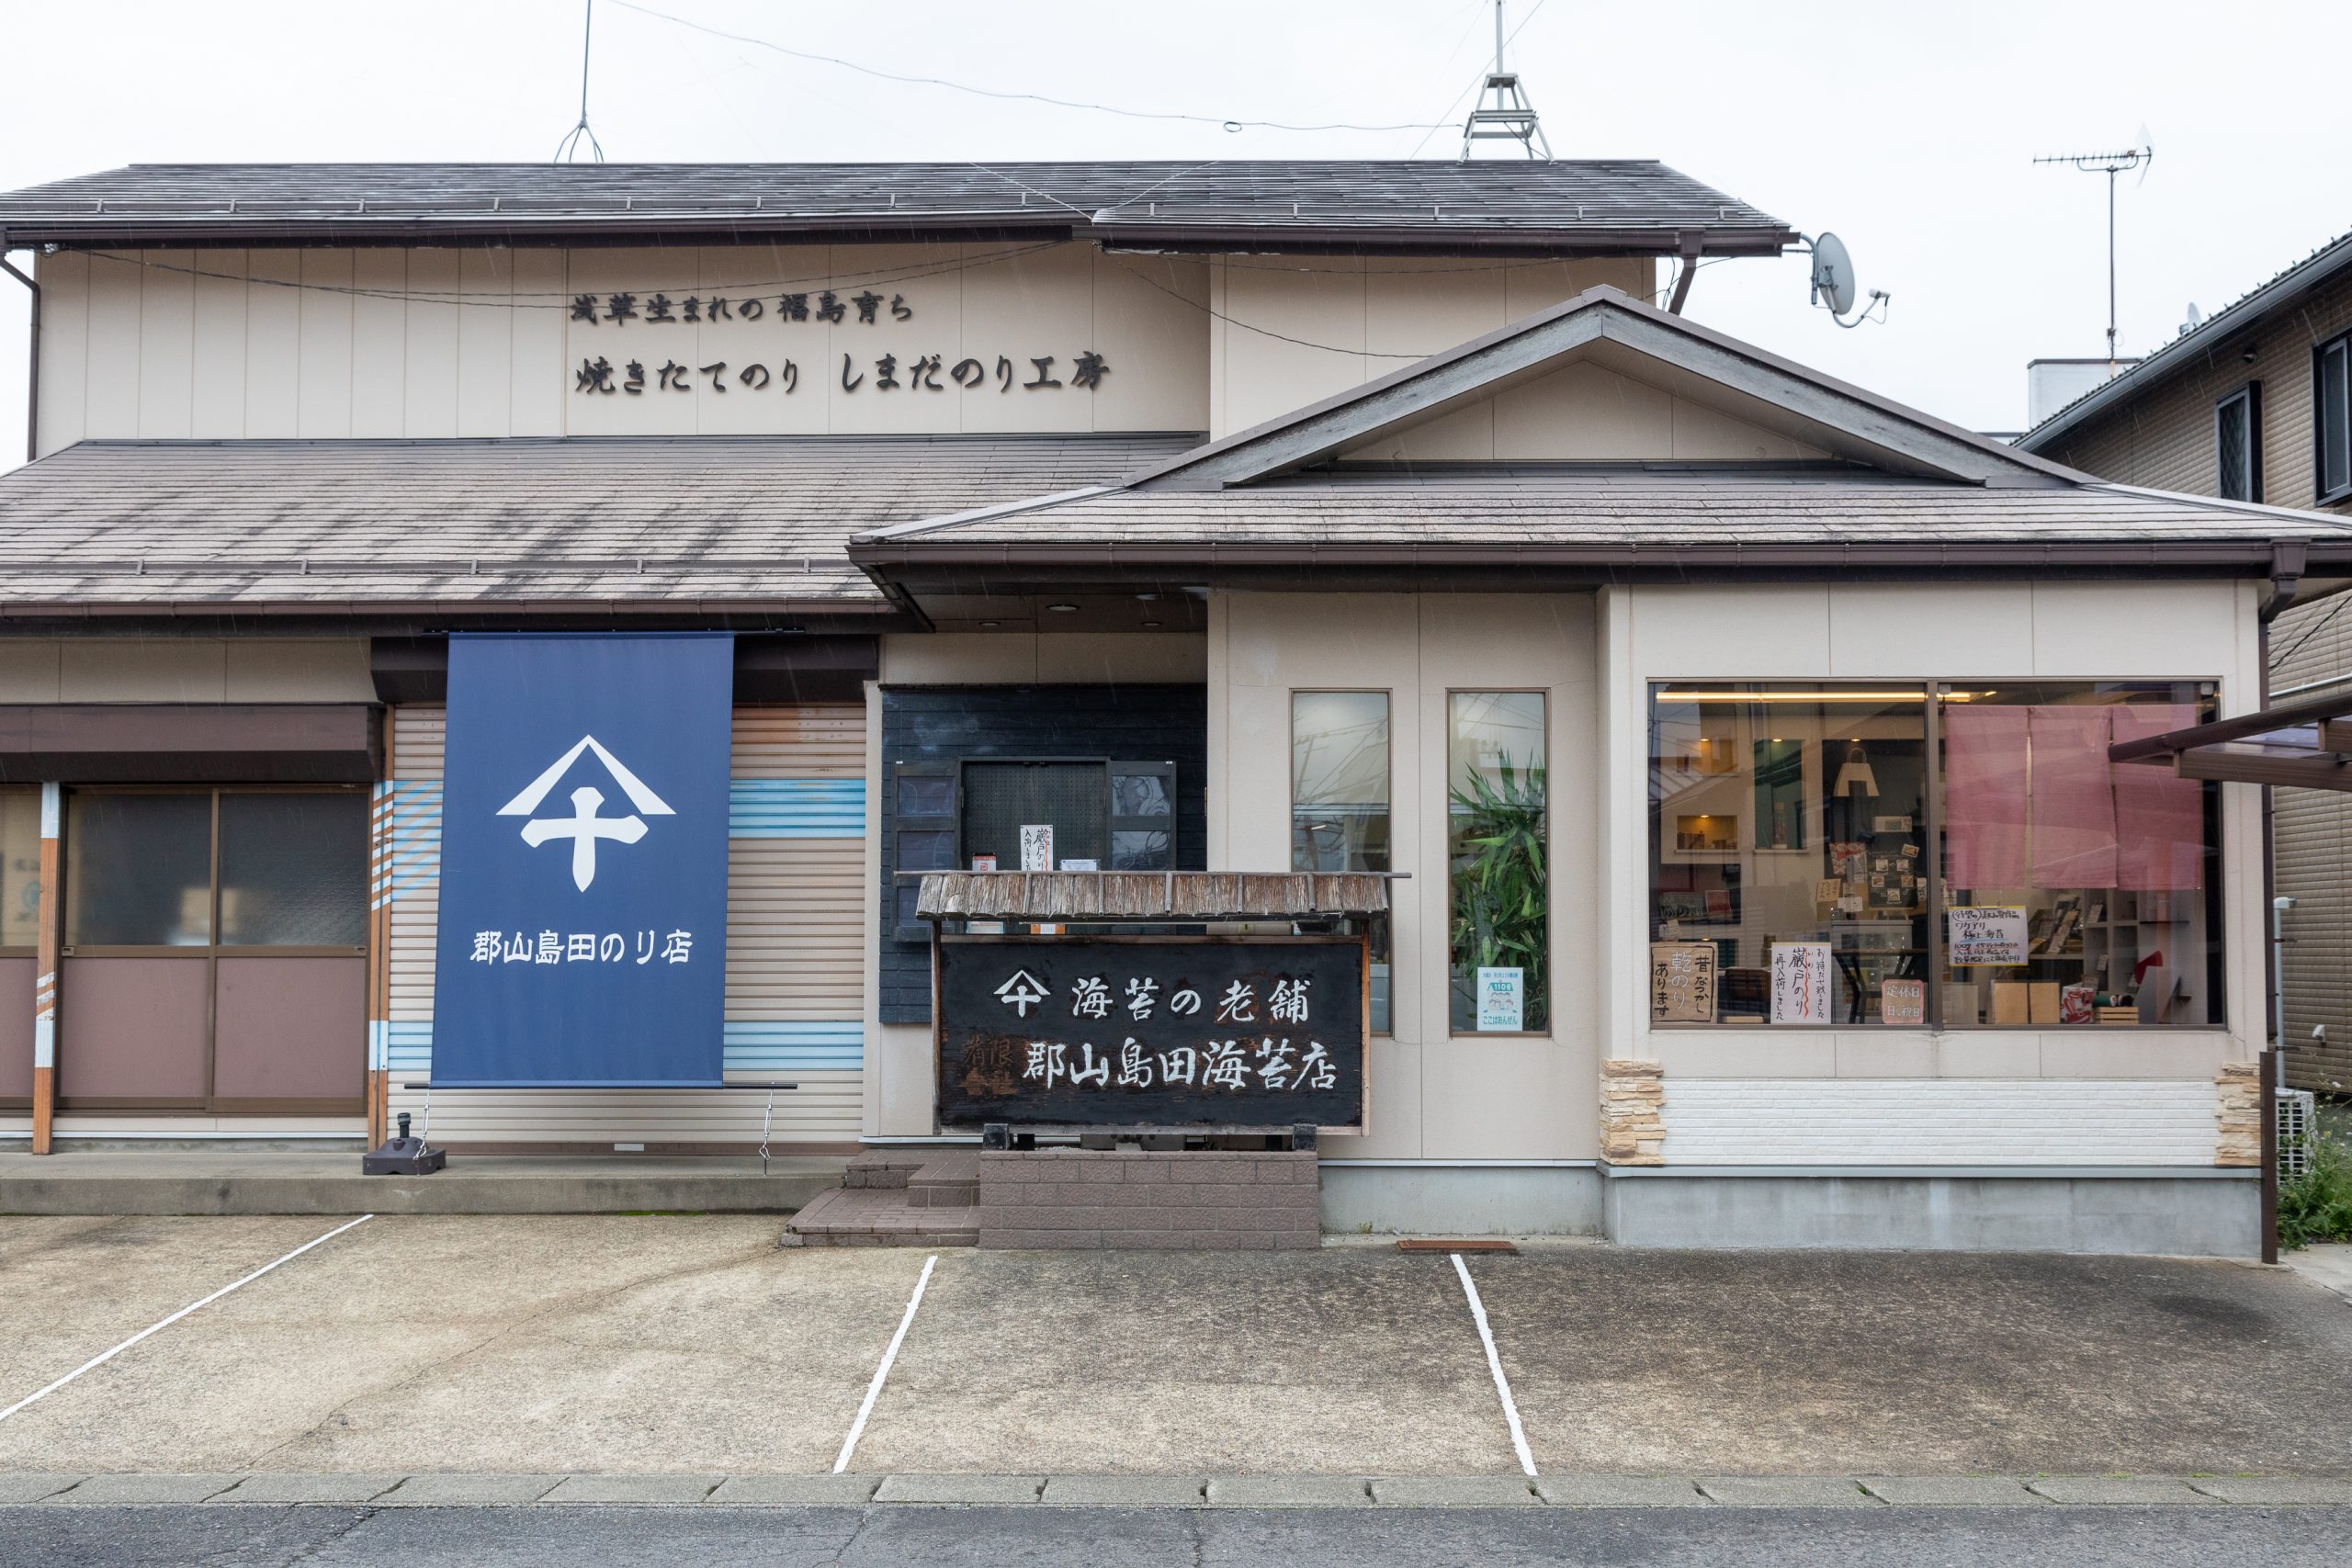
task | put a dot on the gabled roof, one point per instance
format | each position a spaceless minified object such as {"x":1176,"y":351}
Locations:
{"x":620,"y":524}
{"x":1563,"y":206}
{"x":2183,"y":351}
{"x":1898,"y":491}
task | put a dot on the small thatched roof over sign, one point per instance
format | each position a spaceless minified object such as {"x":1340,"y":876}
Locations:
{"x":1148,"y":896}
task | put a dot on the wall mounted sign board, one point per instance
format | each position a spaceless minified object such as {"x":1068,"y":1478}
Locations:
{"x":1151,"y":1032}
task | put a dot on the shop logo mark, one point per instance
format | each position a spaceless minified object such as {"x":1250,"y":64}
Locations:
{"x":583,"y":827}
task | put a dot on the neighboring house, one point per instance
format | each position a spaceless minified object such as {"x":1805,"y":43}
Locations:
{"x":2255,"y":404}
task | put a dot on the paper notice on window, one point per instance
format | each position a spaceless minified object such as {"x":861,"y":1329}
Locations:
{"x":1985,"y":934}
{"x":1501,"y":1004}
{"x":1683,"y":982}
{"x":1903,"y":1001}
{"x":1036,"y":846}
{"x":1801,"y":989}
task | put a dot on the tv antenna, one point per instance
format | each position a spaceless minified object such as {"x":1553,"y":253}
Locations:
{"x":568,"y":149}
{"x":1833,"y":283}
{"x":1509,"y":115}
{"x":2110,"y":164}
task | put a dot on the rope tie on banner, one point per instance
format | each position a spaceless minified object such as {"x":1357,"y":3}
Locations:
{"x":424,"y":1133}
{"x":767,"y":1123}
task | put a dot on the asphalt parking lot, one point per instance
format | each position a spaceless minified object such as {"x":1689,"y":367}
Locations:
{"x":678,"y":1344}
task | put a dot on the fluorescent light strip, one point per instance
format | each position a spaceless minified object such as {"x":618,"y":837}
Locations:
{"x":1910,"y":696}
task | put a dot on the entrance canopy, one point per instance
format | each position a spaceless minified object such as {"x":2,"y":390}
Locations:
{"x":2306,"y":745}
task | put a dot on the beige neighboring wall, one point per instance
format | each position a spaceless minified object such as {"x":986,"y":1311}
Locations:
{"x":1433,"y":1097}
{"x":185,"y":670}
{"x":1344,"y":320}
{"x":2056,"y":631}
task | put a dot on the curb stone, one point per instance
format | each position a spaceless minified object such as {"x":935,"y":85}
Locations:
{"x":796,"y":1491}
{"x":2278,"y":1491}
{"x":1454,"y":1492}
{"x":2110,"y":1490}
{"x":1788,"y":1492}
{"x":1124,"y":1491}
{"x":297,"y":1487}
{"x":1288,"y":1492}
{"x":1953,"y":1492}
{"x":963,"y":1489}
{"x":98,"y":1490}
{"x":448,"y":1491}
{"x":644,"y":1489}
{"x":1621,"y":1492}
{"x":31,"y":1486}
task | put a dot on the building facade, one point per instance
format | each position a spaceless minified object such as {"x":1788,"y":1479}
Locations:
{"x":1738,"y":739}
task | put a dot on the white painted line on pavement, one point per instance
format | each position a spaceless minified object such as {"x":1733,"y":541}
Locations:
{"x":882,"y":1372}
{"x":1495,"y":1365}
{"x":100,"y":1360}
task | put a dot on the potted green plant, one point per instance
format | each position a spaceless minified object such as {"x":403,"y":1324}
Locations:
{"x":1500,"y":913}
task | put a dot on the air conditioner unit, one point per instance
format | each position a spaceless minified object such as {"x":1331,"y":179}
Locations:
{"x":2298,"y":1121}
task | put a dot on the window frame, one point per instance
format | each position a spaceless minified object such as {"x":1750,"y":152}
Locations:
{"x":2341,"y":344}
{"x":2250,"y":397}
{"x":1936,"y":691}
{"x":1290,"y":759}
{"x":1551,"y":866}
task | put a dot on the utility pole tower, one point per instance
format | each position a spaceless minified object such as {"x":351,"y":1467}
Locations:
{"x":1503,"y":112}
{"x":2110,"y":164}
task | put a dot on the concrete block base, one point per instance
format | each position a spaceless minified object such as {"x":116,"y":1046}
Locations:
{"x":1201,"y":1199}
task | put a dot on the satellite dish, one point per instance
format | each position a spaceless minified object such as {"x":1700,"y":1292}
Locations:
{"x":1833,"y":274}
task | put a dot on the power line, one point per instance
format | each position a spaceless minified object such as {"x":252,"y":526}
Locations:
{"x":2319,"y":626}
{"x":1225,"y":122}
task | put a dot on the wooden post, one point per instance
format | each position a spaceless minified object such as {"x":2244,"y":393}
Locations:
{"x":382,"y":821}
{"x":45,"y":965}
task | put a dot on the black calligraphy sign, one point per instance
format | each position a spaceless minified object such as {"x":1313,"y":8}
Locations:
{"x":1151,"y":1032}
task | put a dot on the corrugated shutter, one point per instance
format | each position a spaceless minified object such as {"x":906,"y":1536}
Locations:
{"x":795,"y":969}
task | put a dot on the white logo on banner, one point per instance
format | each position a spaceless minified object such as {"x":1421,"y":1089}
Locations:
{"x":583,"y":827}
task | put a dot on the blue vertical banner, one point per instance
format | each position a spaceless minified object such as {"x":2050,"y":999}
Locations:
{"x":583,"y":861}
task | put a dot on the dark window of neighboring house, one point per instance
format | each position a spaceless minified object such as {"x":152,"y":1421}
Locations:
{"x":2237,"y":445}
{"x":2332,"y":407}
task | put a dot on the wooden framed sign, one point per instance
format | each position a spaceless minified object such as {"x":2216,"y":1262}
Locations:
{"x":1164,"y":1032}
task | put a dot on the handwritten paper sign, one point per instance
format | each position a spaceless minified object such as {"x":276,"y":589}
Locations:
{"x":1036,"y":846}
{"x":1501,"y":1000}
{"x":1903,"y":1001}
{"x":1800,"y":973}
{"x":1985,"y":934}
{"x":1683,"y":982}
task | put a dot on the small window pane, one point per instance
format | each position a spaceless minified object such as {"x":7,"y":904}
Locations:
{"x":1339,"y":780}
{"x":20,"y":868}
{"x":2233,"y":456}
{"x":921,"y":797}
{"x":294,"y":869}
{"x":929,"y":850}
{"x":139,"y":870}
{"x":1000,"y":798}
{"x":2336,"y":416}
{"x":1139,"y":794}
{"x":1139,"y":851}
{"x":1499,"y":914}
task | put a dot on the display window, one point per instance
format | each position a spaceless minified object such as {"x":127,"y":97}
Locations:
{"x":1499,"y":864}
{"x":1933,"y":853}
{"x":1338,"y":806}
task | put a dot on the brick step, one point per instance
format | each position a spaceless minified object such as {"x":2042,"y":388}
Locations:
{"x":868,"y":1216}
{"x":885,"y":1167}
{"x":948,"y":1182}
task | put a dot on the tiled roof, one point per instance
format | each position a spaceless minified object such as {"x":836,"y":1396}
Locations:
{"x":629,"y":523}
{"x":1567,"y":205}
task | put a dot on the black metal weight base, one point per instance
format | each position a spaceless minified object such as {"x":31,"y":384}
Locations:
{"x":402,"y":1156}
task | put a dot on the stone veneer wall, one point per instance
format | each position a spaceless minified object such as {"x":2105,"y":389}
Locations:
{"x":1633,"y":1107}
{"x":1201,"y":1199}
{"x":2239,"y":1111}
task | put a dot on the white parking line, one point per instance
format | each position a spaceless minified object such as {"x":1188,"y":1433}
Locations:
{"x":882,"y":1372}
{"x":100,"y":1360}
{"x":1495,"y":1365}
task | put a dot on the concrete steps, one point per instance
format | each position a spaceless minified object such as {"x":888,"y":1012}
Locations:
{"x":896,"y":1198}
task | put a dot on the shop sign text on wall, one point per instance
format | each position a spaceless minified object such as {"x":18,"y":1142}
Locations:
{"x":1179,"y":1032}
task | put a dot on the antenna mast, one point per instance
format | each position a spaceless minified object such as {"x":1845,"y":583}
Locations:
{"x":2110,"y":164}
{"x":569,"y":146}
{"x":1503,"y":111}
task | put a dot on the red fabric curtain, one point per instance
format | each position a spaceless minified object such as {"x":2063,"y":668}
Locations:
{"x":2160,"y":817}
{"x":2073,"y":797}
{"x":1985,"y":795}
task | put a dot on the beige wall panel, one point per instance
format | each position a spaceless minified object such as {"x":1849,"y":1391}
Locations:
{"x":325,"y":407}
{"x":485,"y":341}
{"x":2139,"y":1054}
{"x":768,"y":341}
{"x":1084,"y":659}
{"x":954,"y":658}
{"x":1414,"y":308}
{"x":429,"y":384}
{"x":1264,"y":376}
{"x":1461,"y":435}
{"x":1510,"y":1098}
{"x":1393,"y":1075}
{"x":378,"y":342}
{"x":217,"y":377}
{"x":322,"y":669}
{"x":669,"y":269}
{"x":1636,"y":276}
{"x":65,"y":281}
{"x":1915,"y":630}
{"x":1739,"y":1054}
{"x":1220,"y":344}
{"x":167,"y":344}
{"x":935,"y":327}
{"x":540,"y":377}
{"x":1019,"y":307}
{"x":112,"y":398}
{"x":1151,"y":327}
{"x":1721,"y":633}
{"x":902,"y":1101}
{"x":1583,"y":412}
{"x":1702,"y":434}
{"x":1538,"y":286}
{"x":159,"y":670}
{"x":2127,"y":630}
{"x":29,"y":670}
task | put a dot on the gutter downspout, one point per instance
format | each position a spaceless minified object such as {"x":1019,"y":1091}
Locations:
{"x":32,"y":363}
{"x":1693,"y":241}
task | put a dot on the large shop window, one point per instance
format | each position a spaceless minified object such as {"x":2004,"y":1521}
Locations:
{"x":215,"y":945}
{"x":1955,"y":855}
{"x":1338,"y":803}
{"x":1500,"y":902}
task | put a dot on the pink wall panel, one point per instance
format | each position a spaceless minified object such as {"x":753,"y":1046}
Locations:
{"x":291,"y":1029}
{"x":133,"y":1027}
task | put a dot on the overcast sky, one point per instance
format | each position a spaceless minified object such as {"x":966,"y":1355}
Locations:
{"x":1907,"y":129}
